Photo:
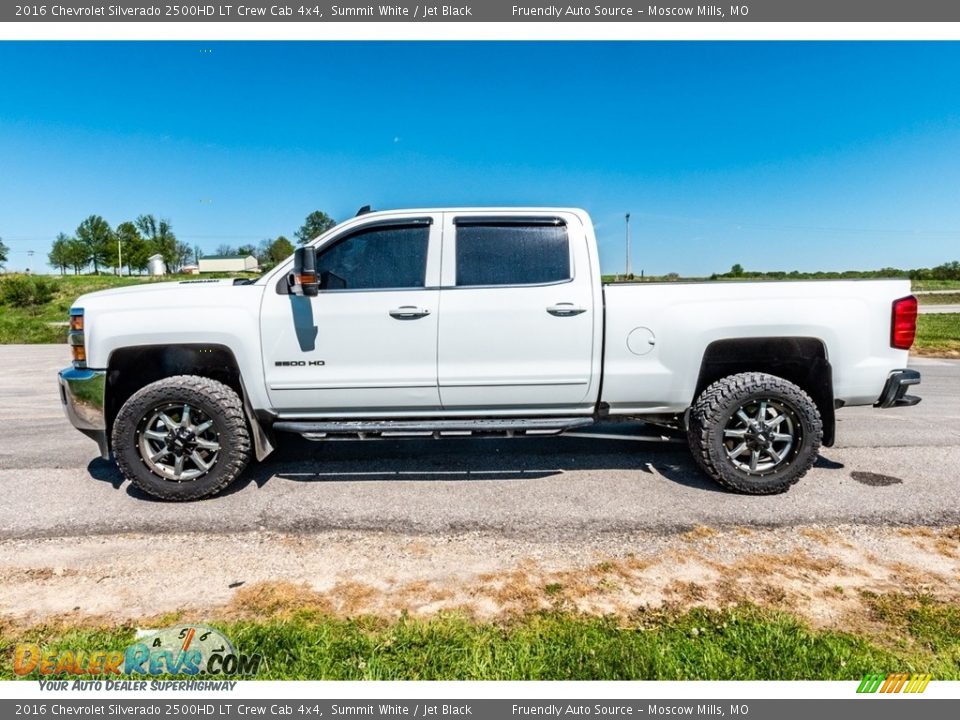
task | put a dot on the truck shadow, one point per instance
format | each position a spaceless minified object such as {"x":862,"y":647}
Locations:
{"x":472,"y":461}
{"x":519,"y":460}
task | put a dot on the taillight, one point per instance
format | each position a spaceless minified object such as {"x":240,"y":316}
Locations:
{"x":903,"y":327}
{"x":76,"y":338}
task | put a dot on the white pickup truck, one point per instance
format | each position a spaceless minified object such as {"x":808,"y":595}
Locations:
{"x":475,"y":322}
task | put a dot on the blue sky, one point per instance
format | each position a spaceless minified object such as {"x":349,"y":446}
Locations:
{"x":778,"y":156}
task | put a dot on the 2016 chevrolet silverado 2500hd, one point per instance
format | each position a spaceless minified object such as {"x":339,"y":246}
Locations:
{"x":475,"y":322}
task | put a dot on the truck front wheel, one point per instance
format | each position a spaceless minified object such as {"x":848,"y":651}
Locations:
{"x":754,"y":433}
{"x":182,"y":438}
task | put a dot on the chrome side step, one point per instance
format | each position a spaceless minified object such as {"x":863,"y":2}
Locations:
{"x":377,"y":429}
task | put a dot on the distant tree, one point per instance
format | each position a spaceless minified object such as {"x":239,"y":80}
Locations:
{"x":225,"y":250}
{"x":160,"y":237}
{"x":889,"y":272}
{"x":736,"y":270}
{"x":263,"y":251}
{"x":947,"y":271}
{"x":78,"y":255}
{"x":59,"y":255}
{"x":4,"y":251}
{"x":247,"y":250}
{"x":197,"y":254}
{"x":136,"y":249}
{"x":317,"y":223}
{"x":279,"y":250}
{"x":184,"y":251}
{"x":96,"y":235}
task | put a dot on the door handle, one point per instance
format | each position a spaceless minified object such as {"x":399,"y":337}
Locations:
{"x":565,"y":310}
{"x":408,"y":312}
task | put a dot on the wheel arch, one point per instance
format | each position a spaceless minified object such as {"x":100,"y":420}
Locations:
{"x":133,"y":367}
{"x":801,"y":360}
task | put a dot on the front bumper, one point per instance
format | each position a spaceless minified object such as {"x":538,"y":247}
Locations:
{"x":83,"y":393}
{"x":894,"y":392}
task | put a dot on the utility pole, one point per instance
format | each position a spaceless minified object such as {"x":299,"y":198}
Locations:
{"x":628,"y":273}
{"x":119,"y":257}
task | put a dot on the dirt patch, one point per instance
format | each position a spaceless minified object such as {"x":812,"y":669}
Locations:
{"x":821,"y":574}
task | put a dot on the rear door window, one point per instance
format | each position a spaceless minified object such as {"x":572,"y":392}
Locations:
{"x":502,"y":253}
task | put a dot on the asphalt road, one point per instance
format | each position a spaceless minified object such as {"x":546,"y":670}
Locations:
{"x":889,"y":467}
{"x":938,"y":309}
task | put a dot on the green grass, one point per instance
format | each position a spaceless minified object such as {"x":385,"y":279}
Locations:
{"x":938,"y":333}
{"x":744,"y":643}
{"x":936,"y":284}
{"x":940,"y":299}
{"x":33,"y":325}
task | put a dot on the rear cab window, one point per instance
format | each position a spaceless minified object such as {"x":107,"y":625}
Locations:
{"x":508,"y":251}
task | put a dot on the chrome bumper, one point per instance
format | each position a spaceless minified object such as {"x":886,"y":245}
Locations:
{"x":893,"y":394}
{"x":83,"y":394}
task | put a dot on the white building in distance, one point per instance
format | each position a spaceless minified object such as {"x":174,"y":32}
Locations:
{"x":228,"y":263}
{"x":155,"y":265}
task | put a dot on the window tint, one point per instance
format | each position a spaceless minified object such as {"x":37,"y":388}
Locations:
{"x":491,"y":254}
{"x":380,"y":257}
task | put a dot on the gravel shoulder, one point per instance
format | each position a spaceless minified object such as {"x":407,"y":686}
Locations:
{"x":815,"y":572}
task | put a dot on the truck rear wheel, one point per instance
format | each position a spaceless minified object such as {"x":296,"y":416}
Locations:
{"x":755,"y":433}
{"x":182,"y":438}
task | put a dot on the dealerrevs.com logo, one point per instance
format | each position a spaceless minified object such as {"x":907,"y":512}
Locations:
{"x":189,"y":650}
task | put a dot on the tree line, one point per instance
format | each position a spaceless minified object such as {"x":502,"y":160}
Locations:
{"x":96,"y":245}
{"x":944,"y":271}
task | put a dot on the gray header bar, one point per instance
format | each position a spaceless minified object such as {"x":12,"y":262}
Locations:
{"x":299,"y":11}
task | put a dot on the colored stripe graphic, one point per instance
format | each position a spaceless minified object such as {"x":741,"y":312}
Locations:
{"x":870,"y":683}
{"x":894,"y":683}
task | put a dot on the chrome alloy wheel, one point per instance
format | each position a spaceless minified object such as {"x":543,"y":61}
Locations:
{"x":178,"y":442}
{"x":761,"y":436}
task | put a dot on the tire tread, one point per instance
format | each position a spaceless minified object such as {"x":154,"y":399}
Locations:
{"x":213,"y":392}
{"x":708,"y":411}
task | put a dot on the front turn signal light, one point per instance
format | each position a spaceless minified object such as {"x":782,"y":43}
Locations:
{"x":76,"y":338}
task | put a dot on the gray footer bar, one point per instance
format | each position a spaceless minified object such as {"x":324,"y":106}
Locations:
{"x":873,"y":707}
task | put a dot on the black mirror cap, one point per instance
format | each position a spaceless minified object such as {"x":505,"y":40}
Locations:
{"x":305,"y":271}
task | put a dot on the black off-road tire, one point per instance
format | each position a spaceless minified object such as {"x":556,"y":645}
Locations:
{"x":716,"y":410}
{"x":217,"y":402}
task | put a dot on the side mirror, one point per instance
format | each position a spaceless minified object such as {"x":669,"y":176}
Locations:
{"x":303,"y":279}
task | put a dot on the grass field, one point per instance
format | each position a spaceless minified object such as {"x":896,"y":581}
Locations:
{"x":940,"y":299}
{"x":902,"y":633}
{"x":39,"y":324}
{"x":936,"y":285}
{"x":938,"y":334}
